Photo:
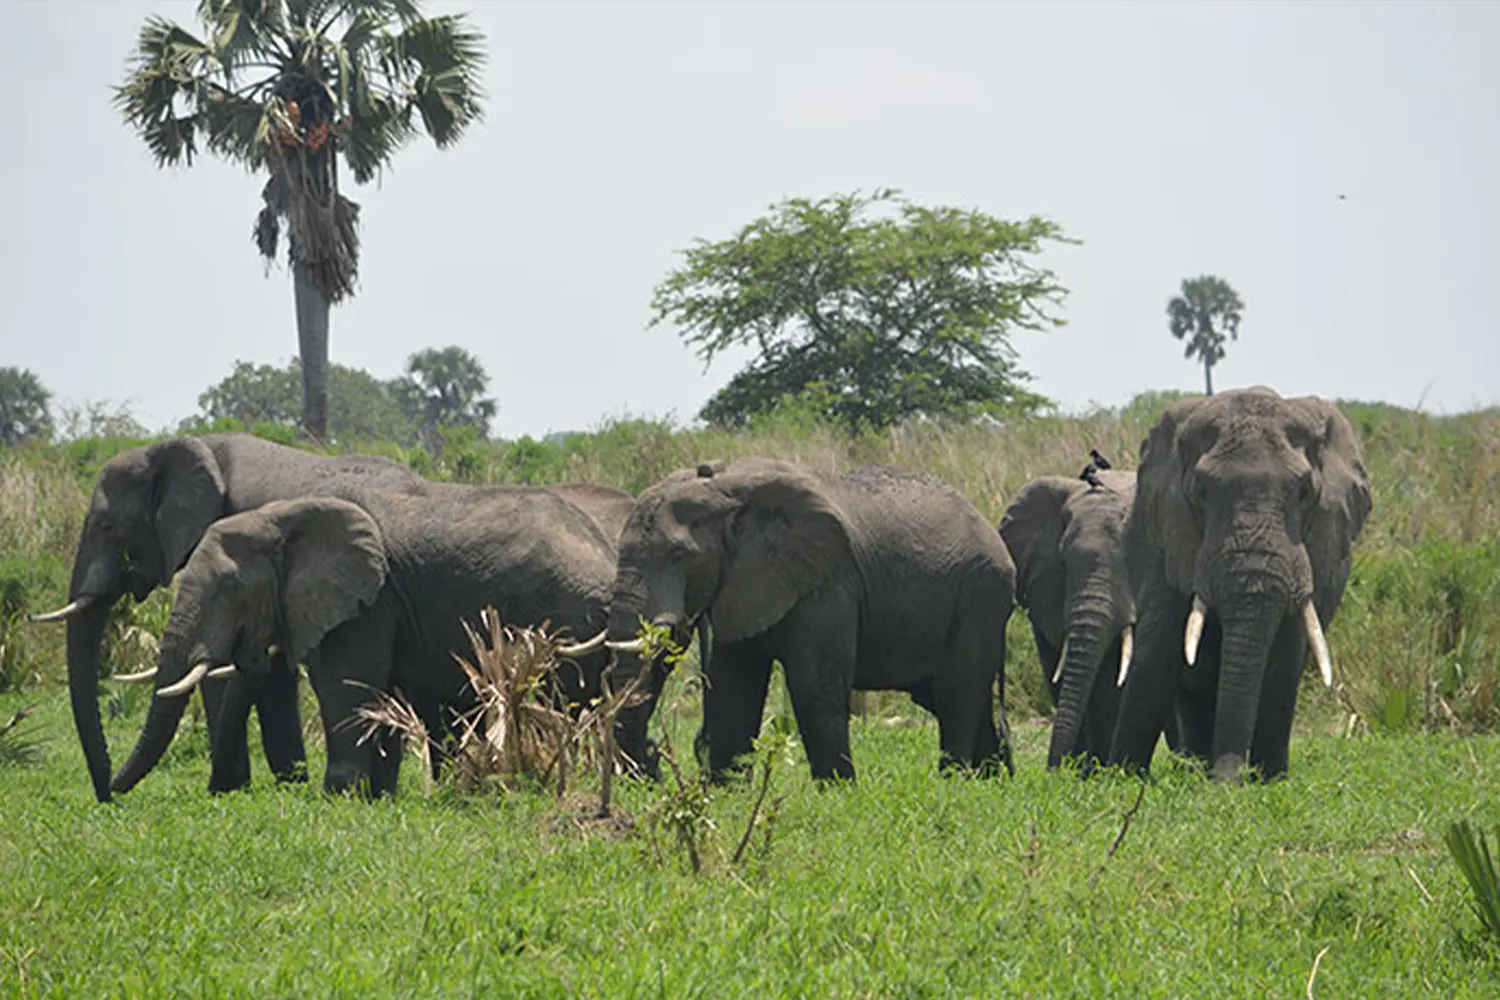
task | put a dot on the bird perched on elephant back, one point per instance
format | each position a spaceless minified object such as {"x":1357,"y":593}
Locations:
{"x":1066,"y":537}
{"x":1239,"y":543}
{"x":873,"y":580}
{"x":372,"y":596}
{"x":149,"y":508}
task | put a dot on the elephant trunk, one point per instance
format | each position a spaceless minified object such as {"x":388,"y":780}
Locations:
{"x":163,"y":716}
{"x":1091,"y":630}
{"x":85,"y":634}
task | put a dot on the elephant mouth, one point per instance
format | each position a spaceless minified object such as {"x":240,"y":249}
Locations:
{"x":1192,"y":635}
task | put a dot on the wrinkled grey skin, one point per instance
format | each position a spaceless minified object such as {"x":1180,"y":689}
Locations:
{"x":1067,"y":542}
{"x":874,"y":580}
{"x":373,"y":594}
{"x":149,"y":508}
{"x":1252,"y":502}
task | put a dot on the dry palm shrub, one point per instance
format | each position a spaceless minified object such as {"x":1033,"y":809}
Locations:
{"x":518,"y":733}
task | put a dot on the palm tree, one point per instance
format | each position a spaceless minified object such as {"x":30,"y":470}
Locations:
{"x":23,"y":407}
{"x":1205,"y":313}
{"x":288,"y":87}
{"x":444,"y":387}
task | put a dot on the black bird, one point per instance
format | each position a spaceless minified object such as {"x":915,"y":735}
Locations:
{"x":1100,"y":462}
{"x":1090,"y":475}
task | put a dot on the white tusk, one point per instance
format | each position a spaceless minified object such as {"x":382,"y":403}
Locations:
{"x":185,"y":685}
{"x":1194,"y":631}
{"x":66,"y":611}
{"x":273,"y":651}
{"x":584,"y":648}
{"x":1062,"y":658}
{"x":1127,"y":650}
{"x":218,"y":673}
{"x":1319,"y":642}
{"x":140,"y":678}
{"x":632,"y":646}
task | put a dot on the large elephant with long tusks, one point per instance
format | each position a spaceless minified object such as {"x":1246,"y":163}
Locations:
{"x":149,"y":508}
{"x":1066,"y":537}
{"x":1239,"y":544}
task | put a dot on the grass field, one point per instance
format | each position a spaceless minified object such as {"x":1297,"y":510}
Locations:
{"x":904,"y":885}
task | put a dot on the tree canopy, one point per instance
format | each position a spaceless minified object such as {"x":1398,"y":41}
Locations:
{"x":868,"y":308}
{"x":444,"y":387}
{"x":24,"y":407}
{"x":287,"y":87}
{"x":441,"y":389}
{"x":1205,"y":314}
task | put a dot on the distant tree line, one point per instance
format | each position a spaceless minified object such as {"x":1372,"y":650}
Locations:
{"x":441,"y":388}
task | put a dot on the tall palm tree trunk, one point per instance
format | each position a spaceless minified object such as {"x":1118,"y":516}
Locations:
{"x":312,"y":345}
{"x":1208,"y":367}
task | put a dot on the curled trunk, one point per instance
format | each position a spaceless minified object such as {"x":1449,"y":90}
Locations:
{"x":85,"y":633}
{"x":156,"y":735}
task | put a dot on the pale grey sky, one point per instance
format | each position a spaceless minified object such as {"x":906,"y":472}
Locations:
{"x":1174,"y":139}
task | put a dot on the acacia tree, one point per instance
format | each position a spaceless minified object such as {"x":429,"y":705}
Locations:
{"x":869,"y":309}
{"x":288,"y":88}
{"x":1205,"y":314}
{"x":24,"y":412}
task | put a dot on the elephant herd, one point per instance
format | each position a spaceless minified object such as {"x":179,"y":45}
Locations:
{"x":1180,"y":600}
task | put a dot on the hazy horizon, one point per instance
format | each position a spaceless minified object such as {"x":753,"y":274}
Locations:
{"x":1172,"y":140}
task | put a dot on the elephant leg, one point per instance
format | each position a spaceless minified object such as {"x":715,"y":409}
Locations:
{"x":1271,"y":745}
{"x":963,"y":695}
{"x":1148,"y":694}
{"x":357,"y":651}
{"x":212,"y":693}
{"x":281,"y":723}
{"x":1099,"y":722}
{"x":734,"y":699}
{"x":230,"y":756}
{"x":819,"y":665}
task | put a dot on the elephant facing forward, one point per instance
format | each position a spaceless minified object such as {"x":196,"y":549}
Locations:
{"x":1065,"y":536}
{"x":873,"y":580}
{"x":1239,"y":543}
{"x":371,"y":597}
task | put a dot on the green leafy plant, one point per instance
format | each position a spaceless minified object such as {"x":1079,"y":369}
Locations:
{"x":1471,"y":852}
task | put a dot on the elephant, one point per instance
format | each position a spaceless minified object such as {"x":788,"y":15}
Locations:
{"x":371,"y":596}
{"x":1065,"y":536}
{"x":1239,"y":544}
{"x":876,"y":579}
{"x":149,"y":508}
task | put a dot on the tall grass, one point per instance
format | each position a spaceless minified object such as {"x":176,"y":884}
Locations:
{"x":1417,"y":642}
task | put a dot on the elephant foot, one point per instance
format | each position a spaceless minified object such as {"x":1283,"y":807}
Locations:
{"x":296,"y":775}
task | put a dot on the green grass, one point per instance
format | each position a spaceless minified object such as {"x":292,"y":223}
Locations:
{"x":903,"y":885}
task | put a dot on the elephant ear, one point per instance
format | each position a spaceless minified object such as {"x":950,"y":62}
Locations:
{"x":333,"y":565}
{"x":1343,"y":503}
{"x":1033,"y":528}
{"x":189,"y":495}
{"x":1161,"y":516}
{"x":786,"y":539}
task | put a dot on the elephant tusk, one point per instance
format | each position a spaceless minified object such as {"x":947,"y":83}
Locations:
{"x":219,"y":673}
{"x":1194,"y":631}
{"x":584,"y":648}
{"x":632,"y":646}
{"x":273,"y":651}
{"x":140,"y":678}
{"x":1319,"y":642}
{"x":1062,"y":658}
{"x":1127,"y":650}
{"x":66,"y":611}
{"x":186,"y":685}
